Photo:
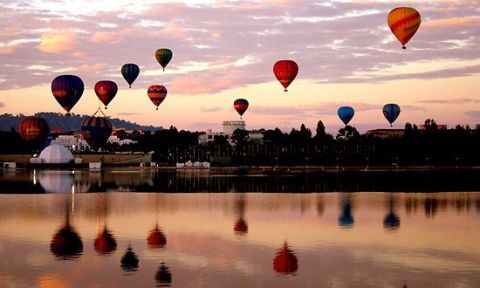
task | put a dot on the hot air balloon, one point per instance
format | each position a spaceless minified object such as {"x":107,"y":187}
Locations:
{"x":96,"y":131}
{"x":67,"y":90}
{"x":285,"y":71}
{"x":33,"y":129}
{"x":157,"y":94}
{"x":391,"y":112}
{"x":345,"y":113}
{"x":404,"y":22}
{"x":130,"y":72}
{"x":105,"y":91}
{"x":129,"y":261}
{"x":241,"y":105}
{"x":156,"y":238}
{"x":163,"y":56}
{"x":285,"y":262}
{"x":346,"y":219}
{"x":105,"y":243}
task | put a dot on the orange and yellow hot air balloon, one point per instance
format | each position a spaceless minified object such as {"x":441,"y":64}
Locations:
{"x":404,"y":23}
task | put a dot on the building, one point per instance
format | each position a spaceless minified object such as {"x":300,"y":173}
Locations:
{"x":385,"y":133}
{"x":228,"y":128}
{"x":76,"y":143}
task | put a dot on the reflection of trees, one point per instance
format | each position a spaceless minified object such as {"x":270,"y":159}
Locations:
{"x":411,"y":204}
{"x":320,"y":204}
{"x":163,"y":276}
{"x":346,"y":218}
{"x":391,"y":220}
{"x":285,"y":261}
{"x":431,"y":206}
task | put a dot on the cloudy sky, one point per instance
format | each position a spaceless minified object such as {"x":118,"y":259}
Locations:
{"x":224,"y":50}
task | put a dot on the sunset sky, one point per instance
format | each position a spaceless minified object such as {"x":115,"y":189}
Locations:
{"x":224,"y":50}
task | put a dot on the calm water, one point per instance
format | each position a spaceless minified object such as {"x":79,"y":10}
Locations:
{"x":312,"y":228}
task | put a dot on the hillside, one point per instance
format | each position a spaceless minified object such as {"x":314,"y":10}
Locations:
{"x":67,"y":123}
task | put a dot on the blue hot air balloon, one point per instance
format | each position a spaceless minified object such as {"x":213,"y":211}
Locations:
{"x":130,"y":72}
{"x":346,"y":114}
{"x":391,"y":112}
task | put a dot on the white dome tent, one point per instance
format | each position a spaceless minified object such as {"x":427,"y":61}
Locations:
{"x":56,"y":154}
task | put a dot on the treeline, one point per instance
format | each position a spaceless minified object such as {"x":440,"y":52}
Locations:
{"x":9,"y":122}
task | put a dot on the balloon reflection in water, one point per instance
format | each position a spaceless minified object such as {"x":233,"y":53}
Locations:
{"x":346,"y":218}
{"x":62,"y":181}
{"x":105,"y":243}
{"x":156,"y":238}
{"x":391,"y":220}
{"x":285,"y":262}
{"x":163,"y":276}
{"x":129,"y":260}
{"x":66,"y":243}
{"x":241,"y":226}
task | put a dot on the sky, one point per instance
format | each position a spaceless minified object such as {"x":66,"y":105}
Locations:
{"x":224,"y":50}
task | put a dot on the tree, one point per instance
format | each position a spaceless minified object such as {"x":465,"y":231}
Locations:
{"x":347,"y":133}
{"x":320,"y":130}
{"x":240,"y":137}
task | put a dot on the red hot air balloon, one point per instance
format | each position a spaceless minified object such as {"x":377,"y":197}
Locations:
{"x":96,"y":131}
{"x":241,"y":105}
{"x":157,"y":94}
{"x":241,"y":226}
{"x":285,"y":262}
{"x":285,"y":71}
{"x":105,"y":91}
{"x":33,"y":129}
{"x":156,"y":238}
{"x":105,"y":243}
{"x":67,"y":90}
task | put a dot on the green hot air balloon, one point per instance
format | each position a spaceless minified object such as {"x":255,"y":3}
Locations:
{"x":163,"y":56}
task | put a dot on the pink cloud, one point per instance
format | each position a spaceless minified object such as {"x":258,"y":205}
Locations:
{"x":87,"y":68}
{"x":199,"y":83}
{"x":452,"y":22}
{"x":57,"y":42}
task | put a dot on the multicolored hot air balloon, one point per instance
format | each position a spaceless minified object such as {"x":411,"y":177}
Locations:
{"x":404,"y":23}
{"x":345,"y":113}
{"x":285,"y":262}
{"x":105,"y":91}
{"x":33,"y":129}
{"x":391,"y":112}
{"x":130,"y":72}
{"x":66,"y":243}
{"x":67,"y":90}
{"x":157,"y":94}
{"x":96,"y":131}
{"x":285,"y":71}
{"x":241,"y":105}
{"x":163,"y":56}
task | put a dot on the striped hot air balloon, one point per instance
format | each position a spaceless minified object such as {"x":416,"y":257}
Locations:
{"x":285,"y":71}
{"x":163,"y":56}
{"x":130,"y":72}
{"x":404,"y":23}
{"x":67,"y":90}
{"x":33,"y":129}
{"x":157,"y":94}
{"x":96,"y":131}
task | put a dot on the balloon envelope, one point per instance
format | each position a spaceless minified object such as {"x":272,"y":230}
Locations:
{"x":105,"y":243}
{"x":96,"y":131}
{"x":157,"y":94}
{"x":33,"y":129}
{"x":163,"y":56}
{"x":105,"y":91}
{"x":391,"y":112}
{"x":67,"y":90}
{"x":285,"y":71}
{"x":66,"y":243}
{"x":345,"y":113}
{"x":156,"y":238}
{"x":404,"y":23}
{"x":241,"y":105}
{"x":285,"y":262}
{"x":130,"y":72}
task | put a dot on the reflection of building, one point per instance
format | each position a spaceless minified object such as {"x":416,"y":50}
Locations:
{"x":228,"y":128}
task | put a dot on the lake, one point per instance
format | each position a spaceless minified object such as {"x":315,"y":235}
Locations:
{"x":282,"y":227}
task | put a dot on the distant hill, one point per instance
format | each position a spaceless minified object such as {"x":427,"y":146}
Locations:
{"x":67,"y":123}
